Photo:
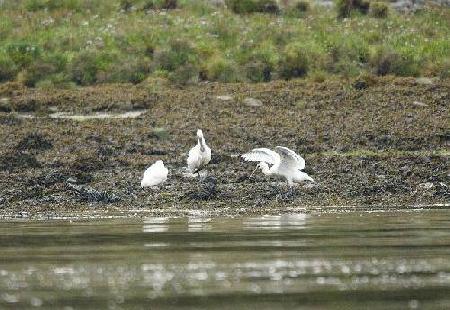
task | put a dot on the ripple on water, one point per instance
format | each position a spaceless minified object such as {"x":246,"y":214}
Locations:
{"x":322,"y":260}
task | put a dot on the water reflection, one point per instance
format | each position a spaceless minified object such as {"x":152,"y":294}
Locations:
{"x":156,"y":224}
{"x":196,"y":224}
{"x":274,"y":222}
{"x":318,"y":261}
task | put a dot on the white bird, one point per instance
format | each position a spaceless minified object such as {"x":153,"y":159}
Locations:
{"x":155,"y":174}
{"x":199,"y":155}
{"x":285,"y":163}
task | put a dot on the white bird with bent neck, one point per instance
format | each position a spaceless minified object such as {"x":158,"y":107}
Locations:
{"x":199,"y":155}
{"x":285,"y":163}
{"x":155,"y":174}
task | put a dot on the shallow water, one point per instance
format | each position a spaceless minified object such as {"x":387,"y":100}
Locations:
{"x":379,"y":260}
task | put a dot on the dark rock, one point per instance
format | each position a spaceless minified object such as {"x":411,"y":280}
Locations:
{"x":206,"y":190}
{"x":34,"y":141}
{"x":360,"y":85}
{"x":16,"y":160}
{"x":87,"y":164}
{"x":10,"y":120}
{"x":88,"y":194}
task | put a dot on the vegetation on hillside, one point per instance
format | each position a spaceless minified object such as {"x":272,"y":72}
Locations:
{"x":78,"y":42}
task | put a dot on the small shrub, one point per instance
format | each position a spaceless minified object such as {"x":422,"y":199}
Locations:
{"x":259,"y":62}
{"x":253,"y":6}
{"x":169,"y":4}
{"x":185,"y":75}
{"x":176,"y":54}
{"x":36,"y":5}
{"x":294,"y":62}
{"x":443,"y":69}
{"x":88,"y":67}
{"x":379,"y":10}
{"x":383,"y":60}
{"x":22,"y":53}
{"x":296,"y":8}
{"x":128,"y":69}
{"x":346,"y":7}
{"x":386,"y":61}
{"x":46,"y":67}
{"x":364,"y":80}
{"x":221,"y":70}
{"x":126,"y":5}
{"x":46,"y":84}
{"x":318,"y":76}
{"x":347,"y":68}
{"x":8,"y":69}
{"x":36,"y":72}
{"x":258,"y":71}
{"x":302,"y":6}
{"x":202,"y":7}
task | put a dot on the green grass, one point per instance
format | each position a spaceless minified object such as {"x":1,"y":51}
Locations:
{"x":64,"y":42}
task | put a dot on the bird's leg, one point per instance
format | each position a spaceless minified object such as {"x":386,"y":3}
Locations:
{"x":253,"y":172}
{"x":202,"y":176}
{"x":290,"y":191}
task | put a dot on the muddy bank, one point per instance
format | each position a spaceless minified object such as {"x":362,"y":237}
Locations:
{"x":375,"y":145}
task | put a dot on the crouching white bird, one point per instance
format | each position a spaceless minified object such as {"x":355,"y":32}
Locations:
{"x":199,"y":155}
{"x":285,"y":163}
{"x":155,"y":175}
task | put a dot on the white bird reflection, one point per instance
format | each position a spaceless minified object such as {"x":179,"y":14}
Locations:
{"x":199,"y":224}
{"x":156,"y":224}
{"x":276,"y":222}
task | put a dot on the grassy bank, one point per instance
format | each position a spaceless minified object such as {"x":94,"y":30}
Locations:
{"x":74,"y":42}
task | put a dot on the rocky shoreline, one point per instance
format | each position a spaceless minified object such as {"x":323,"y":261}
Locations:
{"x":371,"y":144}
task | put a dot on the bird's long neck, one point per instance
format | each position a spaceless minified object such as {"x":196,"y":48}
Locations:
{"x":201,"y":142}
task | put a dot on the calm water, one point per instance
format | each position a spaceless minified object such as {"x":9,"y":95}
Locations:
{"x":356,"y":260}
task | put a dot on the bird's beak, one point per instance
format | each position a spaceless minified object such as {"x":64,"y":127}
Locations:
{"x":253,"y":172}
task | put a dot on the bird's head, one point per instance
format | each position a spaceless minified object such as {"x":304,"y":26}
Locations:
{"x":199,"y":133}
{"x":263,"y":166}
{"x":308,"y":178}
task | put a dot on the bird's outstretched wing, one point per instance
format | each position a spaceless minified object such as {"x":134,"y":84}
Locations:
{"x":262,"y":154}
{"x":289,"y":157}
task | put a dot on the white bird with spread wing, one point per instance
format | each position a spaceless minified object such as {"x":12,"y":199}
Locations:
{"x":155,"y":174}
{"x":285,"y":163}
{"x":199,"y":155}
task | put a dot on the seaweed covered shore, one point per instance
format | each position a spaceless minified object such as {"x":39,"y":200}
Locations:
{"x":375,"y":143}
